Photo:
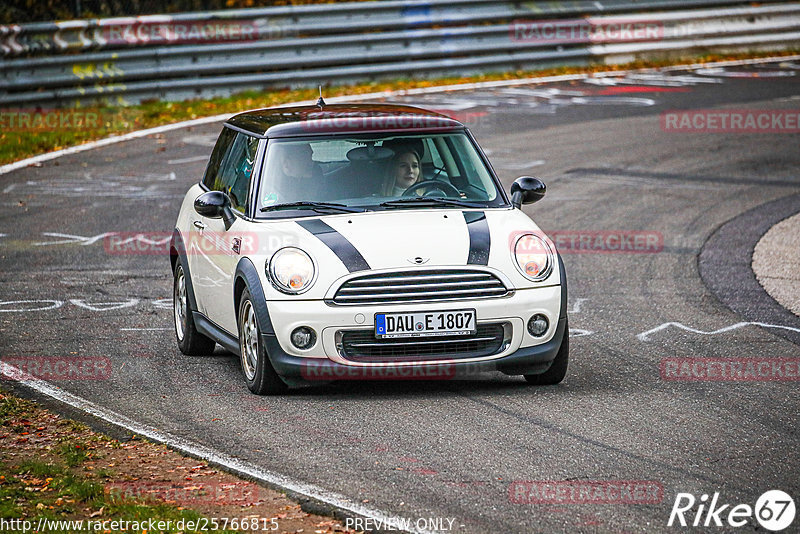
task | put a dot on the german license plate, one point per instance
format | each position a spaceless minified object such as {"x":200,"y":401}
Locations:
{"x":425,"y":324}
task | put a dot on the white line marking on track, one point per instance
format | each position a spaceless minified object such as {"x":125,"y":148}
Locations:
{"x":236,"y":465}
{"x":576,"y":306}
{"x":142,"y":329}
{"x":69,"y":238}
{"x":9,"y":188}
{"x":163,"y":304}
{"x":578,"y":332}
{"x":43,"y":305}
{"x":645,"y":336}
{"x":104,"y":306}
{"x":383,"y":94}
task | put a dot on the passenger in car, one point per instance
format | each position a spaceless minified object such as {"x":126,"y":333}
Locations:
{"x":300,"y":174}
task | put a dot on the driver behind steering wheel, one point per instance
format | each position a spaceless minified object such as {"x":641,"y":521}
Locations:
{"x":404,"y":169}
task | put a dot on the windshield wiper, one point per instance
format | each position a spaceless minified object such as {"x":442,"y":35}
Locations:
{"x":317,"y":206}
{"x":401,"y":202}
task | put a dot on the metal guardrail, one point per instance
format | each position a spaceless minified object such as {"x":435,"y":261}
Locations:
{"x":96,"y":60}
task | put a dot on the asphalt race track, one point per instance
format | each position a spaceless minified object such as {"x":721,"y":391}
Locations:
{"x":458,"y":449}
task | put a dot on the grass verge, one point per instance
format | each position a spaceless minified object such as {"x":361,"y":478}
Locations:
{"x":54,"y":470}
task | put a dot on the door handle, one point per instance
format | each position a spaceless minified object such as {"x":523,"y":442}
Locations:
{"x":199,"y":225}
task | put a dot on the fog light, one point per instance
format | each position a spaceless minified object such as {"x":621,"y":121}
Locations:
{"x":303,"y":337}
{"x":537,"y":325}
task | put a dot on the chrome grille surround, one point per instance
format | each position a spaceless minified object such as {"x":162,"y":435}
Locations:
{"x":361,"y":346}
{"x":436,"y":284}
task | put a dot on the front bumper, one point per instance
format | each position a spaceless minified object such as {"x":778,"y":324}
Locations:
{"x":520,"y":352}
{"x":526,"y":360}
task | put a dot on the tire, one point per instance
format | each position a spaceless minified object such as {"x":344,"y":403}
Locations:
{"x":258,"y":372}
{"x":558,"y":369}
{"x":190,"y":341}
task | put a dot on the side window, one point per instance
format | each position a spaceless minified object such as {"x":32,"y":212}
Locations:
{"x":236,"y":169}
{"x":220,"y":149}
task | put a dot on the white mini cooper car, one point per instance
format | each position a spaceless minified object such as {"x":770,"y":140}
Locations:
{"x":364,"y":242}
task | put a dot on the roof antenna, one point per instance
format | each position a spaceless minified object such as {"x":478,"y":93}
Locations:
{"x":320,"y":102}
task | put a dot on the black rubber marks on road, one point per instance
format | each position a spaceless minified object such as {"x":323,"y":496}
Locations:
{"x":725,"y":265}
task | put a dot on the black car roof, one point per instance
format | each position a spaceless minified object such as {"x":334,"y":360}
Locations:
{"x":341,"y":118}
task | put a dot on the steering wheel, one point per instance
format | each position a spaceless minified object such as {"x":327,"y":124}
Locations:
{"x":432,"y":185}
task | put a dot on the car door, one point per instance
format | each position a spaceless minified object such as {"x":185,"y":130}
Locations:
{"x":194,"y":238}
{"x":220,"y":250}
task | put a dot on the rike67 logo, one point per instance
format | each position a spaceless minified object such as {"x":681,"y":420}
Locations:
{"x":774,"y":511}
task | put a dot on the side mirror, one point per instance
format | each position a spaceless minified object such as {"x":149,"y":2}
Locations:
{"x":215,"y":205}
{"x":527,"y":190}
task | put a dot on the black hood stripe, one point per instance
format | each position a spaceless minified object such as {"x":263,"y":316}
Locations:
{"x":479,"y":239}
{"x":338,"y":243}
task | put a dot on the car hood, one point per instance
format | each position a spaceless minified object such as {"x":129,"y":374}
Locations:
{"x":405,"y":239}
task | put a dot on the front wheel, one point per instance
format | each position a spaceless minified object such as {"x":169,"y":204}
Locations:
{"x":558,"y":369}
{"x":261,"y":378}
{"x":190,"y":341}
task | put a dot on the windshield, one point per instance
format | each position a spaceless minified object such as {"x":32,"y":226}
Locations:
{"x":374,"y":172}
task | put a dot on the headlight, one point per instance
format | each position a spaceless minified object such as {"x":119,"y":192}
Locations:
{"x":534,"y":257}
{"x":291,"y":270}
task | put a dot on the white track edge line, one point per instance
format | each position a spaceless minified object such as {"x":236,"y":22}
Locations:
{"x":4,"y":169}
{"x":202,"y":452}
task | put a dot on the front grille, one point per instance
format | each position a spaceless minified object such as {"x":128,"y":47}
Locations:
{"x":362,"y":346}
{"x":419,"y":286}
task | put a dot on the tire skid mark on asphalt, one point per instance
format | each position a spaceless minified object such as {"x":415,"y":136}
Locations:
{"x":645,"y":336}
{"x":533,"y":421}
{"x":202,"y":452}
